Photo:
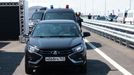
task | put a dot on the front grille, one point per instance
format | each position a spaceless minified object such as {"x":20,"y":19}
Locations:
{"x":59,"y":52}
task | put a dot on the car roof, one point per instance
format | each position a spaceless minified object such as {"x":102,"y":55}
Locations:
{"x":57,"y":21}
{"x":59,"y":10}
{"x":43,"y":8}
{"x":40,"y":11}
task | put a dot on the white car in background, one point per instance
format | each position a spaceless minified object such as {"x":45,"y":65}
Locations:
{"x":130,"y":17}
{"x":121,"y":17}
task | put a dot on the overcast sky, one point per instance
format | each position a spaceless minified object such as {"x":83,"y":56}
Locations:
{"x":85,"y":6}
{"x":88,"y":6}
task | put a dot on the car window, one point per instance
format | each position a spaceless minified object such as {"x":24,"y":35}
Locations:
{"x":56,"y":30}
{"x":130,"y":15}
{"x":61,"y":15}
{"x":36,"y":16}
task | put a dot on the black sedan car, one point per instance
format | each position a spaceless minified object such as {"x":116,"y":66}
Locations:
{"x":36,"y":17}
{"x":59,"y":13}
{"x":56,"y":42}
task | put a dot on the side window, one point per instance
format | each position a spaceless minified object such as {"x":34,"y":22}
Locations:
{"x":130,"y":15}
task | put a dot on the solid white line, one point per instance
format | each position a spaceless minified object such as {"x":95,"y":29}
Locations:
{"x":115,"y":64}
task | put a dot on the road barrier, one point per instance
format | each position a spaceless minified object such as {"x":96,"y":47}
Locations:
{"x":121,"y":33}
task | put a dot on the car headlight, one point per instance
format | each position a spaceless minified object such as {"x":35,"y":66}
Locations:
{"x":31,"y":23}
{"x":33,"y":49}
{"x":78,"y":48}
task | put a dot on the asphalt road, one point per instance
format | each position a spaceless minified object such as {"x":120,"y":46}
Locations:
{"x":12,"y":58}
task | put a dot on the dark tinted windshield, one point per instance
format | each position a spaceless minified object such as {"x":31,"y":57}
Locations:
{"x":36,"y":16}
{"x":56,"y":30}
{"x":59,"y":15}
{"x":101,"y":18}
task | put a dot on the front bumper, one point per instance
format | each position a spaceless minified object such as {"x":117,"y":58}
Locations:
{"x":72,"y":59}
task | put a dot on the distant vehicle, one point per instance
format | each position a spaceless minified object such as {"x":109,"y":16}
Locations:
{"x":94,"y":16}
{"x":112,"y":18}
{"x":121,"y":17}
{"x":130,"y":17}
{"x":59,"y":13}
{"x":42,"y":50}
{"x":102,"y":18}
{"x":36,"y":16}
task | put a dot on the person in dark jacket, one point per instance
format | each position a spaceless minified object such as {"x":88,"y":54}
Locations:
{"x":79,"y":19}
{"x":89,"y":16}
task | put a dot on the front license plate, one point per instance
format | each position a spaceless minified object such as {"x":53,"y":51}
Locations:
{"x":54,"y":59}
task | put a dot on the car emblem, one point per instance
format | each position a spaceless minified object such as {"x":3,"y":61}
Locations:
{"x":54,"y":52}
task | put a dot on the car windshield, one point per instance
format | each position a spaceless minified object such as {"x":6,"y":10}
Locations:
{"x":36,"y":16}
{"x":59,"y":15}
{"x":56,"y":30}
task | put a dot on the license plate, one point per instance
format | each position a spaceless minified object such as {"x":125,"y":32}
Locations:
{"x":54,"y":59}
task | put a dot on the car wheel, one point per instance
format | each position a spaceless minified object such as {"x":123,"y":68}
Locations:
{"x":83,"y":68}
{"x":28,"y":69}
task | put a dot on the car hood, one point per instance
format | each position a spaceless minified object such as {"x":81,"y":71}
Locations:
{"x":48,"y":43}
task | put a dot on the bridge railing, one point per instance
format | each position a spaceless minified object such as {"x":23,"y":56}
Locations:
{"x":121,"y":33}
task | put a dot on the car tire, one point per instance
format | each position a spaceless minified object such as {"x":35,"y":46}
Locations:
{"x":28,"y":69}
{"x":83,"y":68}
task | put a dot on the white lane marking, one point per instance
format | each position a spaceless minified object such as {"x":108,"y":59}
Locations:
{"x":115,"y":64}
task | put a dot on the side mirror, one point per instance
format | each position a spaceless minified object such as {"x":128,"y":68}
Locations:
{"x":30,"y":18}
{"x":26,"y":35}
{"x":86,"y":34}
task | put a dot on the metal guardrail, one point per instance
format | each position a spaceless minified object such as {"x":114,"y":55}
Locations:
{"x":127,"y":28}
{"x":112,"y":31}
{"x":112,"y":23}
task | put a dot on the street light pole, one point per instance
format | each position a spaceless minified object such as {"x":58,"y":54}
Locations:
{"x":85,"y":7}
{"x":105,"y":7}
{"x":130,"y":4}
{"x":92,"y":7}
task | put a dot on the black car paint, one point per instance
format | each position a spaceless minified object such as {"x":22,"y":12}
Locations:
{"x":51,"y":42}
{"x":59,"y":10}
{"x":55,"y":44}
